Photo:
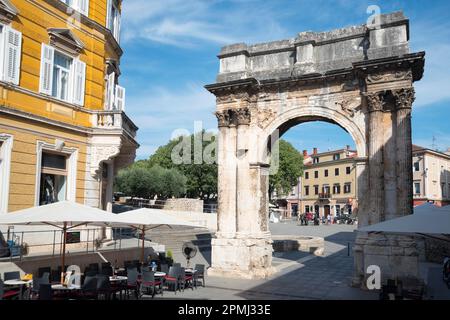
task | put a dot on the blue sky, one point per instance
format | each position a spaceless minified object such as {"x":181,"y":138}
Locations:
{"x":171,"y":46}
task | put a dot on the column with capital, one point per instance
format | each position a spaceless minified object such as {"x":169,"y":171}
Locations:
{"x":375,"y":103}
{"x":227,"y":167}
{"x":404,"y":99}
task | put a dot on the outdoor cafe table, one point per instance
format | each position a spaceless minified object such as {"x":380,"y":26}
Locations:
{"x":159,"y":274}
{"x":119,"y":281}
{"x":192,"y":272}
{"x":20,"y":283}
{"x":60,"y":287}
{"x":117,"y":278}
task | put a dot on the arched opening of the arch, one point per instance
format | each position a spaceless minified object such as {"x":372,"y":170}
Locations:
{"x":328,"y":186}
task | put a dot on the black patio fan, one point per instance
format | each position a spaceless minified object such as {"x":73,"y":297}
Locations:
{"x":189,"y":251}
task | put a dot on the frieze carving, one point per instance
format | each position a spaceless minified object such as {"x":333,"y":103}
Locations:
{"x":380,"y":77}
{"x":345,"y":106}
{"x":404,"y":98}
{"x":230,"y":97}
{"x":100,"y":154}
{"x":265,"y":116}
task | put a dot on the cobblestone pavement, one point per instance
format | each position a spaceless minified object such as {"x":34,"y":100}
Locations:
{"x":300,"y":275}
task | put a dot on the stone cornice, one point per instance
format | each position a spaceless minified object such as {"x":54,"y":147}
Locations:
{"x":414,"y":62}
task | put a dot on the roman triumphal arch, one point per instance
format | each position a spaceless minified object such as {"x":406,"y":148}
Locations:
{"x":360,"y":78}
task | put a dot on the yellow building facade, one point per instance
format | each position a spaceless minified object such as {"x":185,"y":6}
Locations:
{"x":328,"y":185}
{"x":63,"y":128}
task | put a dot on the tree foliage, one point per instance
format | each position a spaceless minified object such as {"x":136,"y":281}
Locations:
{"x":199,"y":164}
{"x":290,"y":168}
{"x":141,"y":181}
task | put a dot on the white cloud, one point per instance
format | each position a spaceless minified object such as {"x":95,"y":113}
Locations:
{"x":189,"y":23}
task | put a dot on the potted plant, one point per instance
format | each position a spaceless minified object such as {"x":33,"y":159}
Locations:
{"x":169,"y":257}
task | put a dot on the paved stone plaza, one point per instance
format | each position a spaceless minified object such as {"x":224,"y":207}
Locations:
{"x":300,"y":275}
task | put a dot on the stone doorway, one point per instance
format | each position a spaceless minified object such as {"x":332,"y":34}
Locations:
{"x":358,"y":78}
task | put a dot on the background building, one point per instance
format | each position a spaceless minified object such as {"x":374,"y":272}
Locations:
{"x":431,"y":176}
{"x":63,"y":129}
{"x":328,"y":185}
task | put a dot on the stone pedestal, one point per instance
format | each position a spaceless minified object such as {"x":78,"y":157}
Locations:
{"x":397,"y":256}
{"x":248,"y":257}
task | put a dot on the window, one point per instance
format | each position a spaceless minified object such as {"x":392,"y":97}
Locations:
{"x":326,"y":173}
{"x":306,"y":175}
{"x":336,"y":189}
{"x":347,"y":188}
{"x":6,"y":142}
{"x":10,"y":53}
{"x":444,"y":189}
{"x":80,"y":5}
{"x":306,"y":190}
{"x":113,"y":18}
{"x":62,"y":76}
{"x":61,"y":73}
{"x":115,"y":94}
{"x":348,"y":170}
{"x":53,"y":183}
{"x":326,"y":189}
{"x":338,"y":209}
{"x":316,"y":174}
{"x":316,"y":190}
{"x":316,"y":160}
{"x":307,"y":209}
{"x":336,"y":171}
{"x":336,"y":156}
{"x":417,"y":166}
{"x":416,"y":188}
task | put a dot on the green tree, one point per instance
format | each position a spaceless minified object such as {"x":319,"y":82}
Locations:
{"x":134,"y":181}
{"x":196,"y":162}
{"x":290,"y":168}
{"x":139,"y":180}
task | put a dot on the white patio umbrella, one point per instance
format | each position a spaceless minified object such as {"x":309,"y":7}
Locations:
{"x":64,"y":215}
{"x":426,"y":208}
{"x":145,"y":219}
{"x":435,"y":222}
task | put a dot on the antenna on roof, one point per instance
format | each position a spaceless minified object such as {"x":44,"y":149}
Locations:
{"x":433,"y":145}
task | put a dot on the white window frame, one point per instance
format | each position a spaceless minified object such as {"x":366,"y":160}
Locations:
{"x":3,"y":55}
{"x":72,"y":160}
{"x":420,"y":188}
{"x":116,"y":23}
{"x":78,"y":5}
{"x":69,"y":80}
{"x":75,"y":67}
{"x":5,"y":170}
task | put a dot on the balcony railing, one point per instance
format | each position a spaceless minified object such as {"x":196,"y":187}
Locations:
{"x":324,"y":195}
{"x":114,"y":120}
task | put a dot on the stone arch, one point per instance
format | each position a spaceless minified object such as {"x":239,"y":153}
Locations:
{"x":295,"y":116}
{"x":357,"y":77}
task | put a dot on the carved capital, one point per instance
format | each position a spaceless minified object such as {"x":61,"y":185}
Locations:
{"x":375,"y":101}
{"x":223,"y":118}
{"x":404,"y":98}
{"x":243,"y":116}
